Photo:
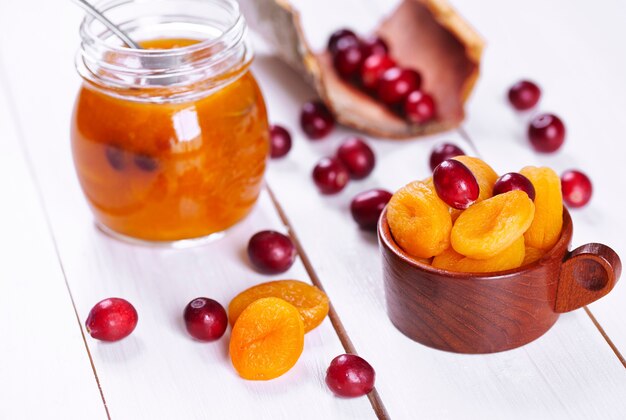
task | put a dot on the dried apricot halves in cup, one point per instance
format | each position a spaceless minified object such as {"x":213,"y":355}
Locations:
{"x":488,"y":228}
{"x":419,"y":221}
{"x":545,"y":229}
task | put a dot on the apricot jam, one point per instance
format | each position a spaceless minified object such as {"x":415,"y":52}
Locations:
{"x":158,"y":165}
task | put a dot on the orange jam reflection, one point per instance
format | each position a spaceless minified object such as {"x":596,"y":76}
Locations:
{"x":170,"y":171}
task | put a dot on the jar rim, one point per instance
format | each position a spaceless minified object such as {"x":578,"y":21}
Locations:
{"x":159,"y":74}
{"x":105,"y":5}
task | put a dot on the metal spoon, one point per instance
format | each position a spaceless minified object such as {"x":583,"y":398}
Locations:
{"x":106,"y":22}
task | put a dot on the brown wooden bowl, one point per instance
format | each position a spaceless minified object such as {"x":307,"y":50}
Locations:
{"x":487,"y":313}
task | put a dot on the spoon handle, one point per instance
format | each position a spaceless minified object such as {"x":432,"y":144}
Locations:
{"x":106,"y":22}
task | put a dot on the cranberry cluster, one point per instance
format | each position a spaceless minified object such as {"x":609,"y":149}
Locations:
{"x":354,"y":159}
{"x":366,"y":63}
{"x":457,"y":186}
{"x":546,"y":133}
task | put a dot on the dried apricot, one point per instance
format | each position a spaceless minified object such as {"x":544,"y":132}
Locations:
{"x":454,"y":213}
{"x":533,"y":254}
{"x":545,"y":230}
{"x":419,"y":221}
{"x":485,"y":175}
{"x":267,"y":339}
{"x":511,"y":257}
{"x":489,"y":227}
{"x":311,"y":302}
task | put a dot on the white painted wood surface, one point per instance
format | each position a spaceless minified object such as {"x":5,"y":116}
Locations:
{"x":44,"y":367}
{"x":158,"y":372}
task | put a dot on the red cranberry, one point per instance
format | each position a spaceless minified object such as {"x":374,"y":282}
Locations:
{"x":576,"y":187}
{"x":280,"y":141}
{"x":111,"y":319}
{"x":205,"y":319}
{"x":271,"y":252}
{"x":546,"y":133}
{"x":146,"y":163}
{"x":396,"y":83}
{"x":330,"y":175}
{"x":524,"y":95}
{"x":350,"y":376}
{"x":374,"y":45}
{"x":341,"y":37}
{"x":455,"y":184}
{"x":348,"y":60}
{"x":372,"y":69}
{"x":419,"y":107}
{"x":316,"y":120}
{"x":116,"y":157}
{"x":514,"y":181}
{"x":367,"y":206}
{"x":357,"y":157}
{"x":442,"y":152}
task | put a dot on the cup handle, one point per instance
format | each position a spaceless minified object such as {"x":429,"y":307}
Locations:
{"x":587,"y":274}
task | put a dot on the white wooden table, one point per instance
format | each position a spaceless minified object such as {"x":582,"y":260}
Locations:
{"x":54,"y":265}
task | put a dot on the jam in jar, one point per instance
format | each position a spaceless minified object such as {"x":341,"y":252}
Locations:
{"x":170,"y":141}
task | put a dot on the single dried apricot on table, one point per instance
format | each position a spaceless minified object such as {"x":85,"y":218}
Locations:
{"x":419,"y":221}
{"x":267,"y":339}
{"x":532,"y":255}
{"x":489,"y":227}
{"x":545,"y":230}
{"x":311,"y":302}
{"x":485,"y":175}
{"x":511,"y":257}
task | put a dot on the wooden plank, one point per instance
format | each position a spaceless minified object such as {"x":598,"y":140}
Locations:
{"x":574,"y":51}
{"x":44,"y":366}
{"x":544,"y":379}
{"x":157,"y":372}
{"x":159,"y":358}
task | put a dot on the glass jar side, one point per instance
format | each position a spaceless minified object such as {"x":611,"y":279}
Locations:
{"x":184,"y":163}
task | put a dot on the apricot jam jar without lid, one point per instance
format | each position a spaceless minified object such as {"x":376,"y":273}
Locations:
{"x":170,"y":142}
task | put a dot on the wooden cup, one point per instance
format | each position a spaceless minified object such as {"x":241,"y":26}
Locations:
{"x":487,"y":313}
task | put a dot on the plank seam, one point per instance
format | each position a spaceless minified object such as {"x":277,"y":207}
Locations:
{"x":606,"y":337}
{"x":374,"y":396}
{"x":461,"y":130}
{"x":40,"y":200}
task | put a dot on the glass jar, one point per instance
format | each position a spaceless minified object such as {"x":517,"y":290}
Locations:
{"x":170,"y":141}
